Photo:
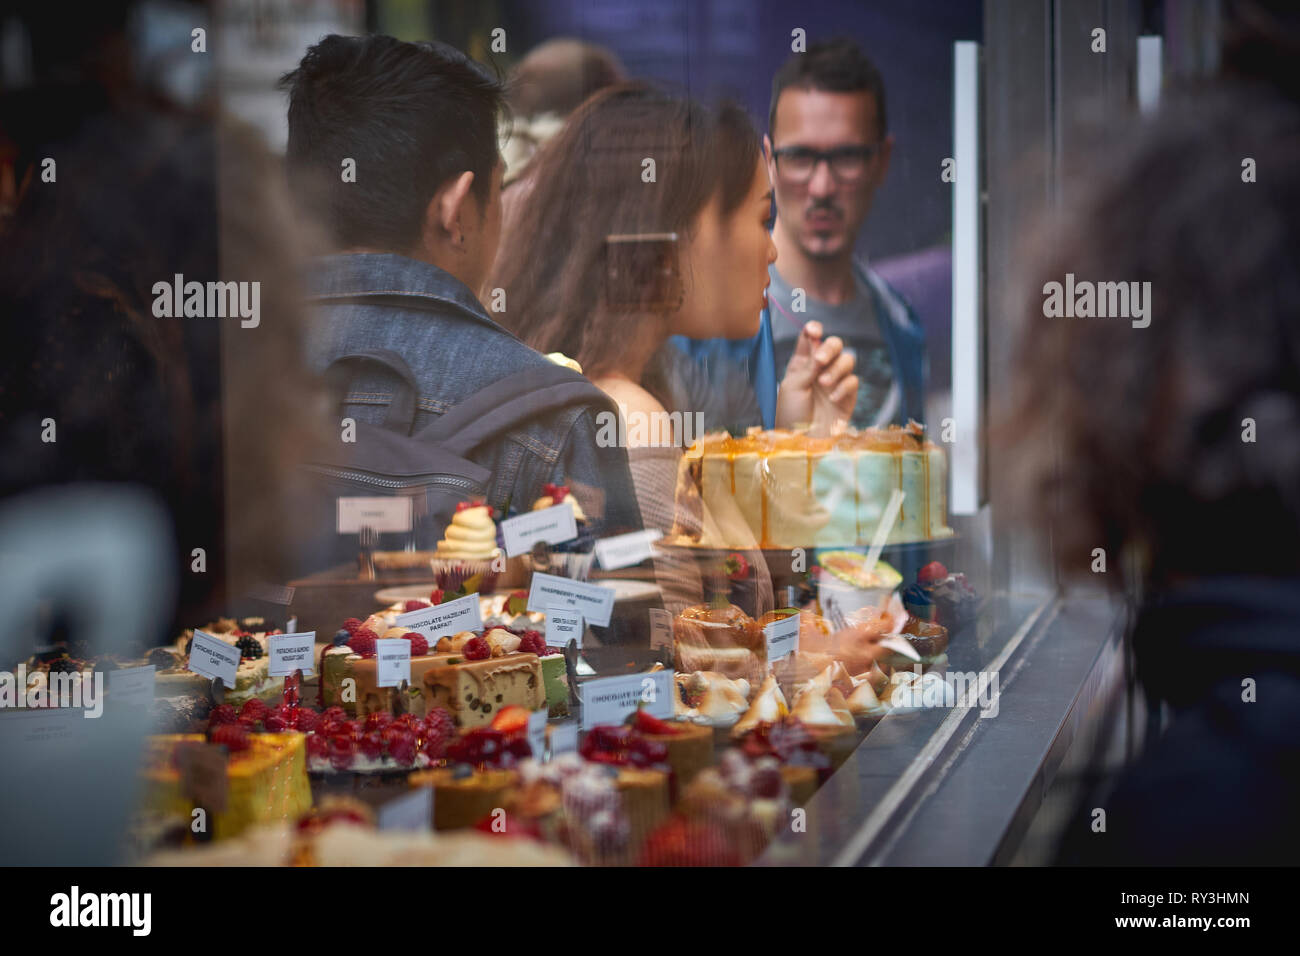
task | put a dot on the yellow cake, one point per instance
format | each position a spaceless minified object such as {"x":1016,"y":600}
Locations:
{"x":266,"y":783}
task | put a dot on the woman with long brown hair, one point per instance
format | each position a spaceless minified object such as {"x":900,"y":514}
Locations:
{"x":647,"y":218}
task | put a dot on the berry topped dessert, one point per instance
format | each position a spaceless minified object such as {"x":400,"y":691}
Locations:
{"x":941,"y":597}
{"x":353,"y":658}
{"x":479,"y":775}
{"x":252,"y":678}
{"x":572,"y":558}
{"x":373,"y":744}
{"x":623,"y":746}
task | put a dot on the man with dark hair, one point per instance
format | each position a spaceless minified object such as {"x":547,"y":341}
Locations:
{"x":829,"y":316}
{"x":828,"y":149}
{"x":395,"y":144}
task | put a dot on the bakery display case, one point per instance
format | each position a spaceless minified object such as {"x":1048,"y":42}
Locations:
{"x":843,"y":650}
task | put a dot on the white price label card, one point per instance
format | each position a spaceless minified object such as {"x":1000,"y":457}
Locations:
{"x":43,"y":727}
{"x":554,"y":525}
{"x":782,"y":637}
{"x":443,"y":620}
{"x":131,"y":686}
{"x":625,"y":550}
{"x":292,"y":626}
{"x":382,"y":514}
{"x":563,"y":625}
{"x":661,"y":629}
{"x":537,"y":733}
{"x":594,"y":602}
{"x":291,"y":652}
{"x":214,"y":658}
{"x":392,"y":661}
{"x":608,"y":700}
{"x":414,"y":811}
{"x":564,"y":738}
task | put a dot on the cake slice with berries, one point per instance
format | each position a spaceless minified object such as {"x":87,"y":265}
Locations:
{"x":484,"y":678}
{"x":352,"y":658}
{"x":173,"y":677}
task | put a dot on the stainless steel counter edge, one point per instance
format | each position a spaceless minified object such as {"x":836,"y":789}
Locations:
{"x":943,"y":786}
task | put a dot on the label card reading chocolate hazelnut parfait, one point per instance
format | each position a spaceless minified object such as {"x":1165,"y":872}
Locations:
{"x":595,"y":602}
{"x":393,"y":662}
{"x":291,"y":652}
{"x":782,"y":637}
{"x":609,"y":700}
{"x":214,"y":658}
{"x":443,"y":620}
{"x":625,"y":550}
{"x":554,"y":525}
{"x":563,"y":625}
{"x":382,"y":514}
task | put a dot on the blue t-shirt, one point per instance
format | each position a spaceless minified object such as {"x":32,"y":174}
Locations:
{"x":754,"y":356}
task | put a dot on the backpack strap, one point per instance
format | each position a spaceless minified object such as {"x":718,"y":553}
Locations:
{"x":401,"y":413}
{"x":509,"y":403}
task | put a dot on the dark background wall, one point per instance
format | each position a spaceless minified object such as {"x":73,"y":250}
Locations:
{"x":713,"y":48}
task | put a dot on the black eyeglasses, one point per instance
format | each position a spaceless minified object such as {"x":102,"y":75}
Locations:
{"x":848,"y":164}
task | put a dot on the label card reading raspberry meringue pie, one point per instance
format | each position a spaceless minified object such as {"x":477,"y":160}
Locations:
{"x":214,"y":658}
{"x":554,"y":525}
{"x":392,"y":662}
{"x":291,"y":652}
{"x":609,"y":700}
{"x":382,"y":514}
{"x":595,"y":602}
{"x":782,"y":637}
{"x":443,"y":620}
{"x":563,"y":625}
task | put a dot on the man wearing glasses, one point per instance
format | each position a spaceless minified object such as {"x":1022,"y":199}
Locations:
{"x":828,"y":151}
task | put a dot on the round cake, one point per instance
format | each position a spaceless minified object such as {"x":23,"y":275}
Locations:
{"x":786,"y":489}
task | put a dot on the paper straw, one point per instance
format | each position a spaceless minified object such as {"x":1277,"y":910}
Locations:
{"x":882,"y":530}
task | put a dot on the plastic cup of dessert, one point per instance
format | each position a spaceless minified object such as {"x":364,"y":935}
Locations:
{"x":843,"y":600}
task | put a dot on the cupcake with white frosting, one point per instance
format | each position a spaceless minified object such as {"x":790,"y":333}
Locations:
{"x":465,"y":557}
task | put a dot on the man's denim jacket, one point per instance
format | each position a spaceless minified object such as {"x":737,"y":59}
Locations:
{"x":385,"y":301}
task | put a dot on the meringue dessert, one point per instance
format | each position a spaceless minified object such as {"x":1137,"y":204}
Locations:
{"x":707,"y":697}
{"x":768,"y":706}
